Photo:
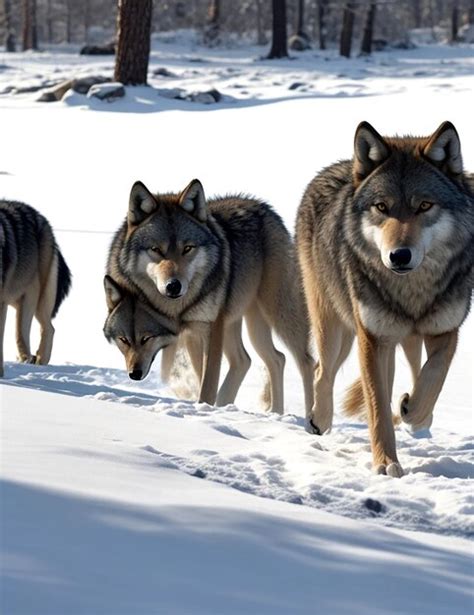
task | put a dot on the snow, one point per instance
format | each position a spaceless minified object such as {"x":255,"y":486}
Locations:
{"x":124,"y":497}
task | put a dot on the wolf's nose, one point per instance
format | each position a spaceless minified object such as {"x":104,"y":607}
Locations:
{"x":173,"y":288}
{"x":400,"y":257}
{"x":136,"y":374}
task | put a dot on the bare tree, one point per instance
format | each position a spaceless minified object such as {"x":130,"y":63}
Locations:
{"x":9,"y":29}
{"x":212,"y":30}
{"x":133,"y":44}
{"x":454,"y":21}
{"x":367,"y":36}
{"x":260,"y":31}
{"x":300,"y":27}
{"x":345,"y":43}
{"x":470,"y":14}
{"x":30,"y":29}
{"x":279,"y":47}
{"x":322,"y":13}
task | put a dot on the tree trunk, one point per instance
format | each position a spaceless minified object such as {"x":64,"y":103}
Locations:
{"x":279,"y":46}
{"x":9,"y":29}
{"x":347,"y":28}
{"x":49,"y":21}
{"x":87,"y":19}
{"x":68,"y":21}
{"x":133,"y":42}
{"x":322,"y":14}
{"x":260,"y":32}
{"x":454,"y":22}
{"x":30,"y":35}
{"x":471,"y":13}
{"x":366,"y":45}
{"x":212,"y":30}
{"x":300,"y":30}
{"x":417,"y":14}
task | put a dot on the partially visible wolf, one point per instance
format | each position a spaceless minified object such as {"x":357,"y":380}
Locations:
{"x":206,"y":265}
{"x":34,"y":277}
{"x":385,"y":243}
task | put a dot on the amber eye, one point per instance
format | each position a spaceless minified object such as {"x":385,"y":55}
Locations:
{"x":145,"y":339}
{"x":124,"y":341}
{"x":156,"y":250}
{"x":381,"y":207}
{"x":425,"y":205}
{"x":187,"y":249}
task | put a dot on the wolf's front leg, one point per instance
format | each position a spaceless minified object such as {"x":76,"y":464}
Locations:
{"x":212,"y":362}
{"x":375,"y":359}
{"x":416,"y":409}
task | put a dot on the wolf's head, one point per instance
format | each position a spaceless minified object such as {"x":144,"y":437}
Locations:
{"x":407,"y":191}
{"x":169,"y":237}
{"x":138,"y":331}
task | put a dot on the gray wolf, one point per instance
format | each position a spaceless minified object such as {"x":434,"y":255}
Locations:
{"x":207,"y":264}
{"x":34,"y":278}
{"x":385,"y":243}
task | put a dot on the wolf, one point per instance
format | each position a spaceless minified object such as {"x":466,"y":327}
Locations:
{"x":385,"y":244}
{"x":206,"y":265}
{"x":34,"y":278}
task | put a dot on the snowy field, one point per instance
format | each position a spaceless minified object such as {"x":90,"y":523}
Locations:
{"x":124,"y":498}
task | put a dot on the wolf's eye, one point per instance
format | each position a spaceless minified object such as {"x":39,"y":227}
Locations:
{"x":145,"y":339}
{"x":124,"y":341}
{"x":156,"y":250}
{"x":425,"y":205}
{"x":381,"y":207}
{"x":187,"y":249}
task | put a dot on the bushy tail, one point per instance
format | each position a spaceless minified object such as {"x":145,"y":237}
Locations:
{"x":354,"y":403}
{"x":64,"y":282}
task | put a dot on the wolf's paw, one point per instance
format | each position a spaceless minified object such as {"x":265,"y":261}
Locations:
{"x":393,"y":469}
{"x":317,"y":427}
{"x":312,"y":428}
{"x":25,"y":358}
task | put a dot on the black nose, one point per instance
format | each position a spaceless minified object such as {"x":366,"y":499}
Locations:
{"x":400,"y":257}
{"x":173,"y":288}
{"x":136,"y":374}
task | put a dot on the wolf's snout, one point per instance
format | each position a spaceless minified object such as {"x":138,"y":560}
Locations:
{"x":400,"y":258}
{"x":137,"y":374}
{"x":173,"y":288}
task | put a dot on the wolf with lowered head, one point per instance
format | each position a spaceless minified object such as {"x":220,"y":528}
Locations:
{"x":206,"y":265}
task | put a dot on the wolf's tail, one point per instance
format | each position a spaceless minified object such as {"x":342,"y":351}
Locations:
{"x":63,"y":282}
{"x":354,"y":402}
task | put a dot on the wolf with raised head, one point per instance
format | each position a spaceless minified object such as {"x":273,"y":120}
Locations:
{"x":34,"y":278}
{"x":207,"y":264}
{"x":386,"y":248}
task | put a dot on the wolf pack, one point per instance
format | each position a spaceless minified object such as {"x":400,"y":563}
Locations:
{"x":383,"y":251}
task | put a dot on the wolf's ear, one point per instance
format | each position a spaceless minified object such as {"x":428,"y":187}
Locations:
{"x":142,"y":203}
{"x":444,"y":149}
{"x":193,"y":200}
{"x":370,"y":150}
{"x":113,"y":292}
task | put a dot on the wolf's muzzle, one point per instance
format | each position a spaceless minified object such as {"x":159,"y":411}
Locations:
{"x":400,"y":260}
{"x":137,"y":374}
{"x":173,"y":288}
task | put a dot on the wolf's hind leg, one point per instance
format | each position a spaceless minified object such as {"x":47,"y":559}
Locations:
{"x":416,"y":409}
{"x":239,"y":363}
{"x":260,"y":334}
{"x":25,"y":310}
{"x":334,"y":342}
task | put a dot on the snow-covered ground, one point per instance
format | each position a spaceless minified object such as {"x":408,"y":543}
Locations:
{"x":121,"y":497}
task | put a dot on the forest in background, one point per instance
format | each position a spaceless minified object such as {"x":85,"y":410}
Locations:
{"x":29,"y":24}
